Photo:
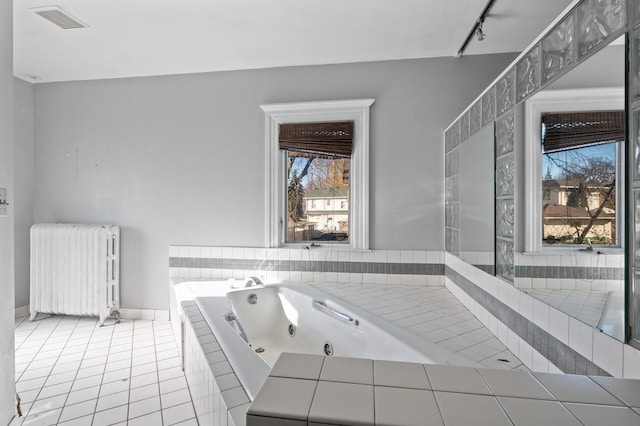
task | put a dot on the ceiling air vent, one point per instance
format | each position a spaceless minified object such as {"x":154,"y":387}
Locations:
{"x":59,"y":17}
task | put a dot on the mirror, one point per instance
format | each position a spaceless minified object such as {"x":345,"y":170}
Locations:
{"x":573,"y":255}
{"x":476,"y":200}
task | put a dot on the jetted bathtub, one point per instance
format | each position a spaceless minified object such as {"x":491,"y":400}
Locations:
{"x":265,"y":321}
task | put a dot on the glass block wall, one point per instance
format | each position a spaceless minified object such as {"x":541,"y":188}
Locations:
{"x":584,"y":30}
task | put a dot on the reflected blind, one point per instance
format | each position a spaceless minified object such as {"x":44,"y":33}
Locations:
{"x":326,"y":140}
{"x":561,"y":131}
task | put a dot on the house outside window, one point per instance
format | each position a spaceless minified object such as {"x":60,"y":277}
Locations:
{"x":317,"y":155}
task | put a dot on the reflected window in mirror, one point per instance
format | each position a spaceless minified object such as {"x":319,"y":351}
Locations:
{"x":574,"y":149}
{"x":580,"y":168}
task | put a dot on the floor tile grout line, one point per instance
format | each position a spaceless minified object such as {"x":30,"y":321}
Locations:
{"x":41,"y":345}
{"x":52,"y":366}
{"x":78,"y":369}
{"x":133,"y":337}
{"x":157,"y":374}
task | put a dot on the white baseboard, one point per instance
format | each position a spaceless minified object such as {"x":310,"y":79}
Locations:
{"x":126,"y":313}
{"x":145,"y":314}
{"x":22,"y":311}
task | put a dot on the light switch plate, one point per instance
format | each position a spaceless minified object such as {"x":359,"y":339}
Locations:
{"x":3,"y":201}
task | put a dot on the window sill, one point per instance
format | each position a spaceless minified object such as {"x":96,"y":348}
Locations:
{"x":324,"y":245}
{"x":574,"y":251}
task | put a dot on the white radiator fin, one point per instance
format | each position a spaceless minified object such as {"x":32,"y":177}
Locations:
{"x":74,"y":269}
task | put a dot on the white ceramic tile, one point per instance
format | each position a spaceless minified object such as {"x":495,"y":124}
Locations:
{"x":540,"y":363}
{"x":178,"y":413}
{"x":267,"y":421}
{"x":541,"y":314}
{"x":235,"y":397}
{"x":461,"y":379}
{"x":47,"y":404}
{"x":581,"y":338}
{"x":280,"y":397}
{"x":172,"y":399}
{"x":111,"y":416}
{"x":143,"y":407}
{"x":298,"y":366}
{"x":146,"y":420}
{"x":144,"y":392}
{"x":526,"y":306}
{"x":81,"y":409}
{"x":559,"y":325}
{"x":350,"y":370}
{"x":631,"y":362}
{"x":344,"y":403}
{"x":530,"y":412}
{"x":143,"y":380}
{"x":408,"y":375}
{"x":44,"y":418}
{"x":596,"y":415}
{"x":172,"y":385}
{"x":465,"y":409}
{"x":49,"y":391}
{"x":112,"y":400}
{"x":80,"y":421}
{"x":525,"y":354}
{"x":405,"y":407}
{"x":626,"y":390}
{"x":576,"y":388}
{"x":608,"y":353}
{"x":514,"y":384}
{"x":113,"y":387}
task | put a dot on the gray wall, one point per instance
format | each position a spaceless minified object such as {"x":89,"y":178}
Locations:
{"x":24,"y":184}
{"x":180,"y":159}
{"x":7,"y":358}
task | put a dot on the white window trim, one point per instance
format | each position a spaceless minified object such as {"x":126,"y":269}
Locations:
{"x":356,"y":110}
{"x":558,"y":101}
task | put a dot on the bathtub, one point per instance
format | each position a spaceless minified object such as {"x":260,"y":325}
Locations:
{"x":255,"y":325}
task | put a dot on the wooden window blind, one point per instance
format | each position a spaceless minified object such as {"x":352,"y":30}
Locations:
{"x":325,"y":140}
{"x":562,"y":131}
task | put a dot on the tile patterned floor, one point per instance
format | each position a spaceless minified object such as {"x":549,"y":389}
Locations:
{"x":433,"y":313}
{"x":70,"y":371}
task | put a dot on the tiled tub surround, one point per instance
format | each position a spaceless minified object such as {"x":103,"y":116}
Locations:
{"x":508,"y":398}
{"x":483,"y":260}
{"x":315,"y":390}
{"x":570,"y":271}
{"x":432,"y":312}
{"x":531,"y":328}
{"x":316,"y":264}
{"x":218,"y":397}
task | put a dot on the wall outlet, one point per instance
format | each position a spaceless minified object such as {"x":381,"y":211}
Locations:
{"x":3,"y":201}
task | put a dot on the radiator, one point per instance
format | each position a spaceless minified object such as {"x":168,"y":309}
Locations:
{"x":75,"y":270}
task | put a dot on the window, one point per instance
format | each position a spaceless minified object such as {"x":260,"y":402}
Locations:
{"x":579,"y":154}
{"x":316,"y":156}
{"x":356,"y":174}
{"x":574,"y":168}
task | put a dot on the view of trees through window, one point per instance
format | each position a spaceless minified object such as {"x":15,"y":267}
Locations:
{"x":317,"y":197}
{"x":579,"y":195}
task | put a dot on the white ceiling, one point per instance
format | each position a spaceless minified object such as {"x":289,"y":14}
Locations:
{"x":128,"y":38}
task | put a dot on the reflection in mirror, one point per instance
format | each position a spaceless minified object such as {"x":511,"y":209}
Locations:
{"x":574,"y":165}
{"x":476,"y":200}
